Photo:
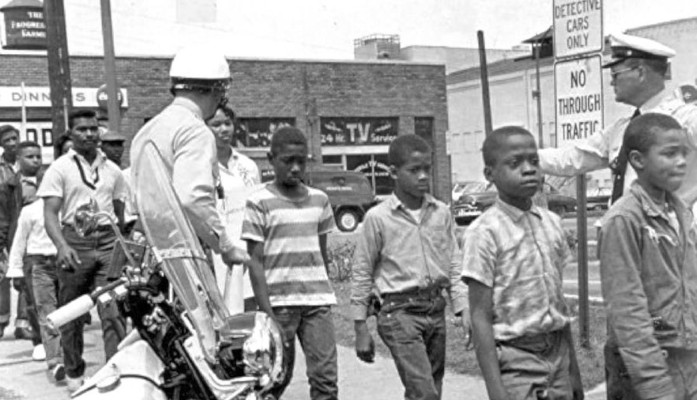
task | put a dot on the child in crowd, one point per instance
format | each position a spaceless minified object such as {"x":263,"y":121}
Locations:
{"x":409,"y":254}
{"x":33,"y":256}
{"x":648,"y":254}
{"x":286,"y":225}
{"x":514,"y":254}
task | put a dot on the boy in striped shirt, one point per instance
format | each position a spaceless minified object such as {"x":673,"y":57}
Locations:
{"x":286,"y":225}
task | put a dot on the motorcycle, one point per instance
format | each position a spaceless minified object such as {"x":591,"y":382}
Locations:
{"x":184,"y":344}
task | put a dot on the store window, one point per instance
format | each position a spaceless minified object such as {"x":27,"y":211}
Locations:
{"x":376,"y":168}
{"x":256,"y":132}
{"x":423,"y":126}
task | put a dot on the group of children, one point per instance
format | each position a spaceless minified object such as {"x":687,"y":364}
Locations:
{"x":512,"y":260}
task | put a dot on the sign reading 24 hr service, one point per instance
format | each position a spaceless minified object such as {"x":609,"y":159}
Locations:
{"x":579,"y":99}
{"x":578,"y":27}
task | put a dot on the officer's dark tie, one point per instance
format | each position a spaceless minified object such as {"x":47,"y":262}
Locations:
{"x":619,"y":167}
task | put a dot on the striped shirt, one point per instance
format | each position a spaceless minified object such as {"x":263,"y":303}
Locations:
{"x":290,"y":230}
{"x":520,"y":255}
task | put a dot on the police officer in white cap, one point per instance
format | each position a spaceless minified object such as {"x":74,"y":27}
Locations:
{"x":638,"y":68}
{"x":200,"y":80}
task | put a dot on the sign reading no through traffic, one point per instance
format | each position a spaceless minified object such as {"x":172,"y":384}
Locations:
{"x":579,"y":99}
{"x":578,"y":27}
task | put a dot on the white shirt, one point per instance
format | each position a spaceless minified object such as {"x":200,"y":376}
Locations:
{"x":76,"y":181}
{"x":239,"y":178}
{"x":188,"y":150}
{"x":30,"y":239}
{"x":130,"y":213}
{"x":602,"y":148}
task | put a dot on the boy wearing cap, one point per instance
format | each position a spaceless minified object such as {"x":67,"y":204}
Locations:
{"x":638,"y":71}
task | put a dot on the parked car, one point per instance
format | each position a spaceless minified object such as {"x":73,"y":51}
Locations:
{"x":598,"y":199}
{"x":560,"y":203}
{"x":478,"y":196}
{"x":475,"y":198}
{"x":350,"y":195}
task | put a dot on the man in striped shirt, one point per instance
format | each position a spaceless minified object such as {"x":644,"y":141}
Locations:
{"x":286,"y":225}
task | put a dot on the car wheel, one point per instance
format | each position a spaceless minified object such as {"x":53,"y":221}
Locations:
{"x":347,"y":220}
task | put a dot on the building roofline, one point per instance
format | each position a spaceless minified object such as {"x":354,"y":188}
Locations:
{"x":243,"y":59}
{"x":664,"y":23}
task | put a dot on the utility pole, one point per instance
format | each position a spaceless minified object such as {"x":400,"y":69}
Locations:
{"x":58,"y":66}
{"x":484,"y":73}
{"x":110,"y":68}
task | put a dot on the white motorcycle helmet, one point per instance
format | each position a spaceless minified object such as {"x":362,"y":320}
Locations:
{"x":199,"y":68}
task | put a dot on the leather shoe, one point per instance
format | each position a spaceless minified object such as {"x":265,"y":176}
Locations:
{"x":24,"y":334}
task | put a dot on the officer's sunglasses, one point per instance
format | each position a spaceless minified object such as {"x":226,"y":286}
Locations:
{"x":614,"y":74}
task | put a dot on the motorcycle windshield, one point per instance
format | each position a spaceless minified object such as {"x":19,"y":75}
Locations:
{"x":175,"y":244}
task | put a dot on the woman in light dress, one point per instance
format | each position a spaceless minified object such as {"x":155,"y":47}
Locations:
{"x":238,"y":178}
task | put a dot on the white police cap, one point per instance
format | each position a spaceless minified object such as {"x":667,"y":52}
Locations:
{"x":627,"y":46}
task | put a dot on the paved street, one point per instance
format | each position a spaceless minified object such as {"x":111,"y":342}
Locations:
{"x":29,"y":379}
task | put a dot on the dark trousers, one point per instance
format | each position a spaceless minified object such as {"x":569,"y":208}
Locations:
{"x":94,"y":252}
{"x":413,"y":328}
{"x":43,"y":279}
{"x":6,"y":304}
{"x":314,"y":327}
{"x":26,"y":289}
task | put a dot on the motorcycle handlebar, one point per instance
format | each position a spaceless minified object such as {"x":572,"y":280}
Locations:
{"x":70,"y":311}
{"x":78,"y":307}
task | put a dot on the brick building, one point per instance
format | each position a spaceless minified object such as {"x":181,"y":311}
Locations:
{"x":349,"y":110}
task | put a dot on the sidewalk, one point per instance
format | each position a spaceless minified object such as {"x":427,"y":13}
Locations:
{"x":29,"y":379}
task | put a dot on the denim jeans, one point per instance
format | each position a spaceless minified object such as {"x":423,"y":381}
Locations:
{"x":40,"y":274}
{"x":315,"y":329}
{"x":94,"y":252}
{"x":6,"y":305}
{"x":414,"y":331}
{"x":26,"y":290}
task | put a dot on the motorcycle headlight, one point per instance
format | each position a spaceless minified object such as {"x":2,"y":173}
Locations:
{"x":263,"y":351}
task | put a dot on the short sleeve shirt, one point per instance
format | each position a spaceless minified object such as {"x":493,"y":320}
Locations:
{"x":289,"y":230}
{"x":520,"y":255}
{"x":76,"y":181}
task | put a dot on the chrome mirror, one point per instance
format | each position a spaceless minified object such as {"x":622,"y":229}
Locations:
{"x":86,"y":218}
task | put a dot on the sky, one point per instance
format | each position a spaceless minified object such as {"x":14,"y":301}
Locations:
{"x":325,"y":29}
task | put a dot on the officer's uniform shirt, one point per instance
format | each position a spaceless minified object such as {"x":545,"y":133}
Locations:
{"x":188,"y":149}
{"x":601,"y":150}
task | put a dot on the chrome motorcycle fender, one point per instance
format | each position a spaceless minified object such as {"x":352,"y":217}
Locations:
{"x":133,"y":373}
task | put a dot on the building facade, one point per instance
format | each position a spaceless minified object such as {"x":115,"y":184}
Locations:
{"x":350,"y":111}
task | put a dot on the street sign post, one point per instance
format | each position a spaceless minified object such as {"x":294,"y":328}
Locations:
{"x":578,"y":43}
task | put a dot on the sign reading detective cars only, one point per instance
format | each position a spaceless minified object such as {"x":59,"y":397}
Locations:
{"x":578,"y":87}
{"x":578,"y":27}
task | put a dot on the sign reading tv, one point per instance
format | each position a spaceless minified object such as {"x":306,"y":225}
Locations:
{"x":358,"y":131}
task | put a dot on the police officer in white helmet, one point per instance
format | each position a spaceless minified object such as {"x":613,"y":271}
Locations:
{"x":200,"y":79}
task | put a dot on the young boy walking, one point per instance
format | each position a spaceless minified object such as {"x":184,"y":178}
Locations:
{"x":408,"y":253}
{"x":648,"y":254}
{"x":514,"y":254}
{"x":286,"y":225}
